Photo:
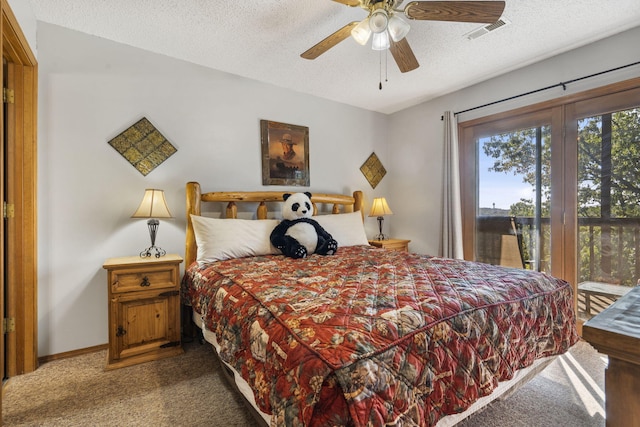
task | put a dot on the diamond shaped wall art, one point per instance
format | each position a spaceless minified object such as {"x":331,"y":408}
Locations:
{"x":143,"y":146}
{"x":373,"y":170}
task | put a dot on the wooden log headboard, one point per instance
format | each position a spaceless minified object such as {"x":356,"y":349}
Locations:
{"x":341,"y":203}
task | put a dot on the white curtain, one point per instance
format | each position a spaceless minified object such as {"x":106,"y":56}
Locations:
{"x":451,"y":239}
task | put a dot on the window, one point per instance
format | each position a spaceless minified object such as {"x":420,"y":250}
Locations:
{"x":512,"y":217}
{"x":609,"y":197}
{"x":560,"y":181}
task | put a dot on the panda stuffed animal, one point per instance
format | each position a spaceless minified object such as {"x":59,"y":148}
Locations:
{"x":298,"y":235}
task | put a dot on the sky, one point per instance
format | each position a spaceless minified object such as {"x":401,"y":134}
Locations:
{"x":503,"y":189}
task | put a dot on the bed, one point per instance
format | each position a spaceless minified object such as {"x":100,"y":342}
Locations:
{"x":368,"y":336}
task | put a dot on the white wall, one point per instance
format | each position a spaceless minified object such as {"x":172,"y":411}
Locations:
{"x":416,"y":134}
{"x":27,"y":19}
{"x":90,"y":90}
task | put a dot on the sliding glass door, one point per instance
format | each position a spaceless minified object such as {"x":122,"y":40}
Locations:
{"x":605,"y":136}
{"x":512,"y":212}
{"x":510,"y":200}
{"x":609,"y":197}
{"x":555,"y":187}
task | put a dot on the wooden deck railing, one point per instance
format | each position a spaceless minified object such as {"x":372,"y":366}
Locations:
{"x":609,"y":249}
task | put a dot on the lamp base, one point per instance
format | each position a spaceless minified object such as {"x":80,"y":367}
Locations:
{"x":380,"y":236}
{"x":153,"y":225}
{"x":159,"y":252}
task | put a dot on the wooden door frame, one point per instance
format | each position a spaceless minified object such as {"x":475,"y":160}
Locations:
{"x":21,"y":228}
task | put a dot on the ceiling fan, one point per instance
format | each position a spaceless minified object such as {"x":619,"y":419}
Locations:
{"x":389,"y":30}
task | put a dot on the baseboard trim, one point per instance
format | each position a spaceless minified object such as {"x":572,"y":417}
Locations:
{"x":73,"y":353}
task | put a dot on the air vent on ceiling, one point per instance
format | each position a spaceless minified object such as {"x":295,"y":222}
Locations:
{"x":479,"y":32}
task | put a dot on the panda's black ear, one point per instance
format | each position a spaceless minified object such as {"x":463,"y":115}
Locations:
{"x":285,"y":196}
{"x":308,"y":194}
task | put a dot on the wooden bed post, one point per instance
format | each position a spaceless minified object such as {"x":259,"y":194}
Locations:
{"x":262,"y":211}
{"x":193,"y":207}
{"x":232,"y":210}
{"x":359,"y":200}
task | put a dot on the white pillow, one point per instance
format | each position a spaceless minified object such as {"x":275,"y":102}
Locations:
{"x":346,"y":228}
{"x":219,"y":239}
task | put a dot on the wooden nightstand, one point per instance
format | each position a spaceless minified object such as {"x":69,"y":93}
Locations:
{"x":395,"y":244}
{"x":144,"y":309}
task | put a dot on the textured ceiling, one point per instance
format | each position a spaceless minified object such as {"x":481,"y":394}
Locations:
{"x":263,"y":40}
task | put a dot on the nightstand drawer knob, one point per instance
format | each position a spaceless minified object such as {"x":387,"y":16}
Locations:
{"x":145,"y":281}
{"x":120,"y":331}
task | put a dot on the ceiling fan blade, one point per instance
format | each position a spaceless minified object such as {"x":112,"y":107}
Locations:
{"x":329,"y":42}
{"x":403,"y":55}
{"x":352,"y":3}
{"x":485,"y":12}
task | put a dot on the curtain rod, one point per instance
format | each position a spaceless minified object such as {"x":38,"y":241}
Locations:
{"x":563,"y":84}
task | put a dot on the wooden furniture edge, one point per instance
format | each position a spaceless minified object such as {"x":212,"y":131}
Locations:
{"x":195,"y":198}
{"x":115,"y":262}
{"x":612,"y":332}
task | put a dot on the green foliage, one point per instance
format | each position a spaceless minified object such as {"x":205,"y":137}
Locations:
{"x":523,"y":208}
{"x":608,"y":187}
{"x":624,"y":173}
{"x":516,"y":152}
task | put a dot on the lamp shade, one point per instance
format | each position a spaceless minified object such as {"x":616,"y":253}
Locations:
{"x":398,"y":28}
{"x":361,"y":32}
{"x":153,"y":205}
{"x":380,"y":41}
{"x":380,"y":207}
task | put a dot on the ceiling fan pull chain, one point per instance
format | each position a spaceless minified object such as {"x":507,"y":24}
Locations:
{"x":386,"y":65}
{"x":386,"y":68}
{"x":380,"y":69}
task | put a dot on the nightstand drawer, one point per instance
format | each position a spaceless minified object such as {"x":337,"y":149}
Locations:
{"x":393,"y":244}
{"x":137,"y":279}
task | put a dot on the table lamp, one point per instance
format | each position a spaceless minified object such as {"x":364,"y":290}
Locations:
{"x":380,"y":208}
{"x":153,"y":206}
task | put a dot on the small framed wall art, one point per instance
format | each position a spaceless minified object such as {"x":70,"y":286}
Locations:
{"x":285,"y":154}
{"x":142,"y":145}
{"x":373,"y":170}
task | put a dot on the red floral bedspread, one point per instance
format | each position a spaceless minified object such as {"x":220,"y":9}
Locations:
{"x":369,"y":336}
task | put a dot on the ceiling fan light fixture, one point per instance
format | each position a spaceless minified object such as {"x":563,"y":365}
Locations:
{"x":380,"y":41}
{"x":378,"y":21}
{"x":398,"y":28}
{"x":361,"y":32}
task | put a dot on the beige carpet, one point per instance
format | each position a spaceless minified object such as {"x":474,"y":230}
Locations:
{"x":568,"y":393}
{"x":186,"y":390}
{"x":190,"y":390}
